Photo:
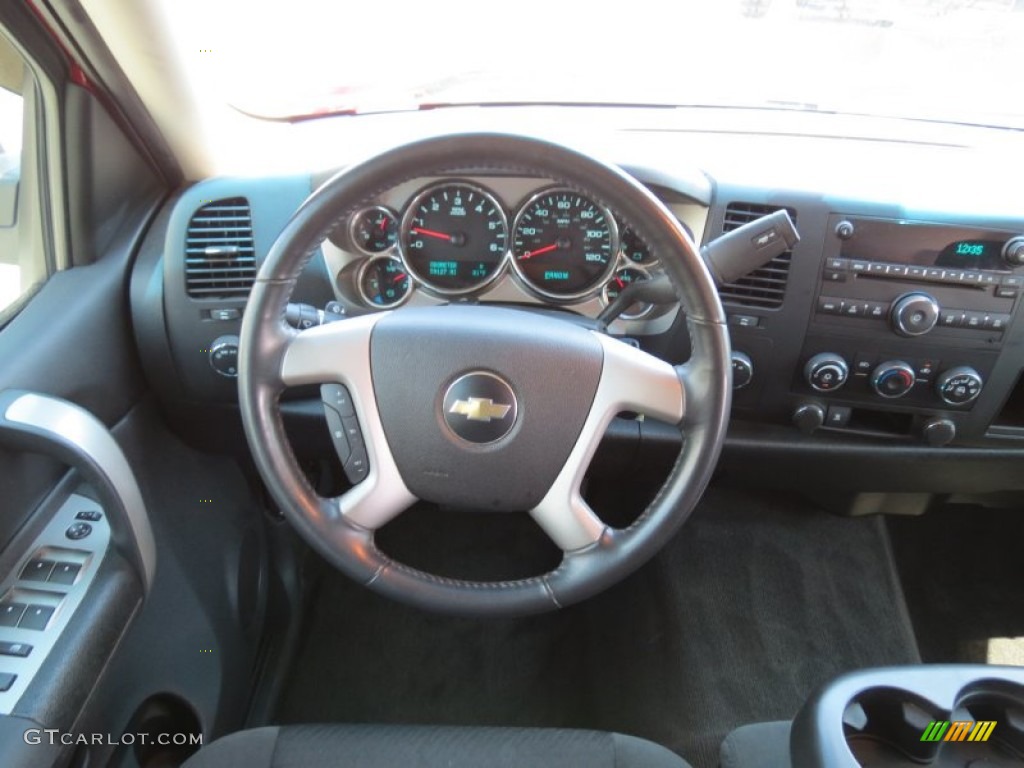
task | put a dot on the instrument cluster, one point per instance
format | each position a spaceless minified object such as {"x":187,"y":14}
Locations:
{"x":454,"y":239}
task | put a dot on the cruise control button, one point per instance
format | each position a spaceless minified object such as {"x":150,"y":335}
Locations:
{"x":77,"y":531}
{"x":338,"y":398}
{"x":21,"y":650}
{"x":37,"y":570}
{"x":36,"y":617}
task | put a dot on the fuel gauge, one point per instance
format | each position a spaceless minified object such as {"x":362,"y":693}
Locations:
{"x":625,"y":276}
{"x":383,"y":282}
{"x":374,"y":230}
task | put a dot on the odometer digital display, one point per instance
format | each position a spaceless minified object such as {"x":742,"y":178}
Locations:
{"x":563,"y":244}
{"x":454,"y":238}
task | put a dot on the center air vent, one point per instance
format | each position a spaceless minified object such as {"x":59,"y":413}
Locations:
{"x":765,"y":286}
{"x":220,"y":258}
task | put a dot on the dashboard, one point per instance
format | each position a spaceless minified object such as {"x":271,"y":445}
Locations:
{"x":892,"y":330}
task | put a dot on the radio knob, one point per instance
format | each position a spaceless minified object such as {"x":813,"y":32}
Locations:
{"x":1013,"y":251}
{"x":742,"y":370}
{"x":893,"y":379}
{"x":826,"y":372}
{"x":914,"y":314}
{"x":959,"y":386}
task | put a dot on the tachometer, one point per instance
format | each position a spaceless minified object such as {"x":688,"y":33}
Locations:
{"x":563,"y":244}
{"x":454,"y":238}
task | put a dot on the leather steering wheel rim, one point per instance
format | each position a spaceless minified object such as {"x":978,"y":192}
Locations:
{"x":273,"y":356}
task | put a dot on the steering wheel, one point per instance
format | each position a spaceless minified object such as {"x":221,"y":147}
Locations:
{"x":482,"y":407}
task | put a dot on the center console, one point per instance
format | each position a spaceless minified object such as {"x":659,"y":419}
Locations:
{"x":907,"y":323}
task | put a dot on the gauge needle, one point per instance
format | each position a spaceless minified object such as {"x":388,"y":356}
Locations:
{"x":432,"y":233}
{"x":618,"y":282}
{"x":539,"y":251}
{"x":383,"y":224}
{"x":399,"y":278}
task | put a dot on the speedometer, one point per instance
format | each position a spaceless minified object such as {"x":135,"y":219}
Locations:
{"x":454,"y":238}
{"x":563,"y":244}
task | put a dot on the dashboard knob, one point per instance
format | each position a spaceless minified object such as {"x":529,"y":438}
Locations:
{"x":1013,"y":251}
{"x":826,"y":372}
{"x":892,"y":379}
{"x":959,"y":386}
{"x":742,"y":370}
{"x":224,"y":356}
{"x":808,"y":417}
{"x":914,"y":314}
{"x":938,"y":431}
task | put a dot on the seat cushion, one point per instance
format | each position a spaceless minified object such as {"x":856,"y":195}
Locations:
{"x":413,"y":746}
{"x":761,"y":745}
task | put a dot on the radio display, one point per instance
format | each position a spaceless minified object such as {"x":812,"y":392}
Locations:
{"x":925,"y":245}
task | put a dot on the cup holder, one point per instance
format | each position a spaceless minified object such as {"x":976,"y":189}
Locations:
{"x":895,"y":727}
{"x":172,"y":733}
{"x":946,"y":716}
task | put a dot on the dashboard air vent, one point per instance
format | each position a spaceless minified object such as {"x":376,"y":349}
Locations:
{"x":220,"y":257}
{"x":766,"y":286}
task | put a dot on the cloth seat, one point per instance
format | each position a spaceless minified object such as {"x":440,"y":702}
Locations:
{"x":419,"y":746}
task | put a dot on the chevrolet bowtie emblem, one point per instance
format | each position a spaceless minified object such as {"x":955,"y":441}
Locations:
{"x":479,"y":409}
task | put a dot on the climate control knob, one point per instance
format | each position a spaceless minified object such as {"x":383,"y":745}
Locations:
{"x":826,"y":372}
{"x":914,"y":314}
{"x":959,"y":386}
{"x":892,"y":379}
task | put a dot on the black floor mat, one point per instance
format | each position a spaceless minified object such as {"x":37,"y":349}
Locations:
{"x":963,"y":573}
{"x":760,"y":599}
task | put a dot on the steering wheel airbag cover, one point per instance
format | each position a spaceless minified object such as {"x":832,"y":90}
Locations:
{"x":552,"y":367}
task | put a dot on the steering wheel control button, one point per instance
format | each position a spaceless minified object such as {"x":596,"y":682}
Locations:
{"x":78,"y":531}
{"x":36,"y":617}
{"x":480,"y":408}
{"x":10,"y":614}
{"x":89,"y":515}
{"x":37,"y":570}
{"x":959,"y":386}
{"x":338,"y":398}
{"x":21,"y":650}
{"x":826,"y":372}
{"x":893,"y":379}
{"x":358,"y":465}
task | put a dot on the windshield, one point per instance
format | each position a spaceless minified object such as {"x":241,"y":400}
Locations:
{"x":944,"y":60}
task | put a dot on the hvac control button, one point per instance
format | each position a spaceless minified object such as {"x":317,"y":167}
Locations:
{"x":838,"y":416}
{"x":892,"y":379}
{"x":826,"y":372}
{"x":78,"y":531}
{"x":959,"y":386}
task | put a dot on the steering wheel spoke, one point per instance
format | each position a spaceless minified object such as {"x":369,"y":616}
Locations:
{"x":340,"y":352}
{"x":631,"y":380}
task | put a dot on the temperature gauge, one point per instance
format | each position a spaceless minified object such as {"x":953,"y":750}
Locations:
{"x":623,"y":277}
{"x":374,"y":230}
{"x":383,"y":282}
